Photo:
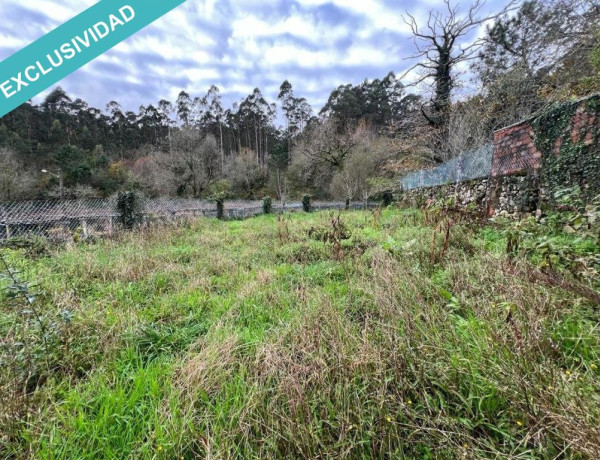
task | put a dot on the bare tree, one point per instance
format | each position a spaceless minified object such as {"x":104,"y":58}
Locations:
{"x":362,"y":166}
{"x":246,"y":175}
{"x":468,"y":126}
{"x":15,"y":182}
{"x":280,"y":185}
{"x":326,"y":146}
{"x":153,"y":175}
{"x":440,"y":48}
{"x":193,"y":162}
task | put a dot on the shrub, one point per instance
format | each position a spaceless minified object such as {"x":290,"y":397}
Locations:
{"x":129,"y":207}
{"x":220,"y":207}
{"x":267,"y":205}
{"x":306,"y":203}
{"x":387,"y":197}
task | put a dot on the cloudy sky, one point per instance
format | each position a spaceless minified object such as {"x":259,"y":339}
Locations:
{"x":236,"y":44}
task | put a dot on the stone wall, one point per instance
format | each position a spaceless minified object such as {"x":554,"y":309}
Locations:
{"x":502,"y":195}
{"x":558,"y":148}
{"x":466,"y":193}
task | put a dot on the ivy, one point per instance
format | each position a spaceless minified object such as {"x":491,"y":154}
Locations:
{"x":129,"y":207}
{"x":576,"y":164}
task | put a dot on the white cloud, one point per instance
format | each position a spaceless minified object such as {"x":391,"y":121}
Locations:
{"x":237,"y":45}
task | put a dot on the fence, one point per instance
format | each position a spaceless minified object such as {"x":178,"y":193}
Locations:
{"x":61,"y":219}
{"x":475,"y":164}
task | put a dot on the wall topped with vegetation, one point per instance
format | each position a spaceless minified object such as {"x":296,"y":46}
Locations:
{"x":568,"y":137}
{"x":534,"y":162}
{"x":560,"y":146}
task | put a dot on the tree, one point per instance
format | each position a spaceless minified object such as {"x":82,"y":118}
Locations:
{"x":193,"y":161}
{"x":377,"y":102}
{"x":354,"y":179}
{"x":519,"y":40}
{"x":440,"y":49}
{"x":287,"y":99}
{"x":15,"y":182}
{"x":542,"y":53}
{"x":58,"y":101}
{"x":214,"y":114}
{"x":328,"y":146}
{"x":153,"y":176}
{"x":297,"y":112}
{"x":247,"y":176}
{"x":167,"y":110}
{"x":255,"y":119}
{"x":279,"y":161}
{"x":150,"y":124}
{"x":184,"y":108}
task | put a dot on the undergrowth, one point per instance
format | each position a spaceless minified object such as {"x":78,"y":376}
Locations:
{"x":383,"y":334}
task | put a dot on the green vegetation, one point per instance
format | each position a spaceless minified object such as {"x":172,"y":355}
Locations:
{"x":267,"y":205}
{"x":570,"y":153}
{"x":384,"y":334}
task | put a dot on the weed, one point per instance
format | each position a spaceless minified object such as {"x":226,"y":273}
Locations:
{"x":311,"y":336}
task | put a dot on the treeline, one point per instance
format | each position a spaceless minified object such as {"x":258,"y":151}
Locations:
{"x":532,"y":54}
{"x":176,"y":148}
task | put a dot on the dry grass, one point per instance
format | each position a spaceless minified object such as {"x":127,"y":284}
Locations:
{"x":314,"y":337}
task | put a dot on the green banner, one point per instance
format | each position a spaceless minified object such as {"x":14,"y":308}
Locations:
{"x":45,"y":62}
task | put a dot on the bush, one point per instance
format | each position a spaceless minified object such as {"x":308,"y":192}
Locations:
{"x":267,"y":205}
{"x":306,"y":203}
{"x":387,"y":197}
{"x":220,"y":208}
{"x":129,"y":207}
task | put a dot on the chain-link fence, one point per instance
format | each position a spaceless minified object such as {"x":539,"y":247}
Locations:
{"x":475,"y":164}
{"x":60,"y":220}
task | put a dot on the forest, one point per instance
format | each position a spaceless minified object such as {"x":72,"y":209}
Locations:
{"x":528,"y":56}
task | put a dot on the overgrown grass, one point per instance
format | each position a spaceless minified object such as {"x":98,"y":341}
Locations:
{"x":303,"y":337}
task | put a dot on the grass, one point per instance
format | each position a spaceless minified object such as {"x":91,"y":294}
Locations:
{"x":296,"y":337}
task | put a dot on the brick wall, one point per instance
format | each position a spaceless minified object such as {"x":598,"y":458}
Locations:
{"x":522,"y":178}
{"x":515,"y":151}
{"x":582,"y":130}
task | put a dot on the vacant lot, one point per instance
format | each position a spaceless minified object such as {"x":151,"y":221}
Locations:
{"x":299,"y":337}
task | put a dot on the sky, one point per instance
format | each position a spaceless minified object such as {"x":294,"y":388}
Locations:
{"x":235,"y":44}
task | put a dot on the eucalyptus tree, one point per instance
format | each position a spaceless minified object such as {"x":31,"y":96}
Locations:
{"x":297,"y":112}
{"x":375,"y":101}
{"x":184,"y":108}
{"x":256,"y":118}
{"x":214,"y":115}
{"x":167,"y":111}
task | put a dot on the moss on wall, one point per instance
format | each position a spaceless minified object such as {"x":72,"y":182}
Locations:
{"x":568,"y":137}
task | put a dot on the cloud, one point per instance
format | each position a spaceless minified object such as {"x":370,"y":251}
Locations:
{"x":235,"y":44}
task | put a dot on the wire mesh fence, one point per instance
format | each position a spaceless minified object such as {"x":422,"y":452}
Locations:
{"x":60,"y":220}
{"x":475,"y":164}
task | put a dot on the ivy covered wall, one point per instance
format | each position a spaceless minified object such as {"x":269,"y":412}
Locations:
{"x":558,"y":148}
{"x":568,"y":136}
{"x":555,"y":150}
